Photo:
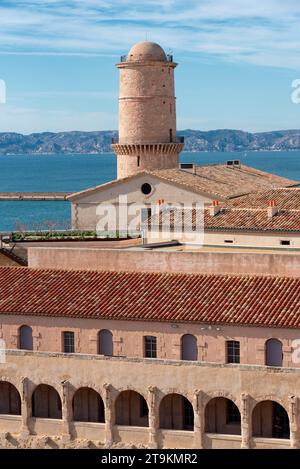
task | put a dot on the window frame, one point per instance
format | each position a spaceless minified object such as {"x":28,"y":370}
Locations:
{"x":65,"y":345}
{"x":285,"y":242}
{"x":231,"y":351}
{"x":150,"y":346}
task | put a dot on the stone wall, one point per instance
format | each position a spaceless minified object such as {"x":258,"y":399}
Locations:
{"x":198,"y":383}
{"x":128,"y":337}
{"x":204,"y":262}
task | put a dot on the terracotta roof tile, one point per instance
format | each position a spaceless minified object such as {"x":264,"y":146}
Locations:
{"x":225,"y":182}
{"x":228,"y":219}
{"x":287,"y":198}
{"x":243,"y":300}
{"x":218,"y":181}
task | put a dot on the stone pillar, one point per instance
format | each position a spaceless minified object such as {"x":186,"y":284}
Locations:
{"x":246,"y":422}
{"x":199,"y":420}
{"x":293,"y":416}
{"x":25,"y":408}
{"x":153,"y":417}
{"x":109,"y":415}
{"x":67,"y":416}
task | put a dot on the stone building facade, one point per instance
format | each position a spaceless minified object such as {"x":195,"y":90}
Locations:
{"x":147,"y":111}
{"x":57,"y":400}
{"x":216,"y":369}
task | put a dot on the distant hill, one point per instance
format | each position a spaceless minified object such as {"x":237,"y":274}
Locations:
{"x":99,"y":142}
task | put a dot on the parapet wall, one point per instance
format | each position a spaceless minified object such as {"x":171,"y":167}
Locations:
{"x":165,"y":261}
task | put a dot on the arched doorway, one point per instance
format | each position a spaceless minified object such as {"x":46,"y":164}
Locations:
{"x":46,"y":402}
{"x":10,"y":400}
{"x":105,"y":342}
{"x":25,"y":338}
{"x":270,"y":420}
{"x":176,"y":413}
{"x":189,"y":350}
{"x":274,"y":355}
{"x":131,"y":409}
{"x":87,"y":406}
{"x":222,"y":416}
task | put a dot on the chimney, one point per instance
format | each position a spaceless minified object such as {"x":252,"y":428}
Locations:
{"x":215,"y":208}
{"x":160,"y":201}
{"x":272,"y":208}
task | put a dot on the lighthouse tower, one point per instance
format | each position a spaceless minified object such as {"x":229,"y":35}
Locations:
{"x":147,"y":111}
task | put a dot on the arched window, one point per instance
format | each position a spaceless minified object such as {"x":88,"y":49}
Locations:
{"x":222,"y":416}
{"x":270,"y":420}
{"x":176,"y":413}
{"x":189,"y":350}
{"x":46,"y":402}
{"x":105,"y":339}
{"x":25,"y":338}
{"x":274,"y":355}
{"x":131,"y":409}
{"x":87,"y":406}
{"x":10,"y":401}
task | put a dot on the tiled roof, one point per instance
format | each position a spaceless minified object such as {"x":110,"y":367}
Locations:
{"x":287,"y":198}
{"x":231,"y":219}
{"x":243,"y":300}
{"x":223,"y":181}
{"x":218,"y":181}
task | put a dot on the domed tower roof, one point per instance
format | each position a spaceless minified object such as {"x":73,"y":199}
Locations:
{"x":145,"y":51}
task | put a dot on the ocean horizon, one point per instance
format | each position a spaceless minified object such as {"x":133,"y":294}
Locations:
{"x":73,"y":172}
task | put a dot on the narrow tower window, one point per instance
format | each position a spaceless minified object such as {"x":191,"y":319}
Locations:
{"x":138,"y":161}
{"x":170,"y":108}
{"x":171,"y":135}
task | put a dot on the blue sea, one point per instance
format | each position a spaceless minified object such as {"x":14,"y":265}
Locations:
{"x":32,"y":173}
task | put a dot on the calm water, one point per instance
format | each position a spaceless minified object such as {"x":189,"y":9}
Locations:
{"x":77,"y":172}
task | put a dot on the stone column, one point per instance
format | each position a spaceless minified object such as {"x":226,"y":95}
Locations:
{"x":153,"y":417}
{"x":25,"y":408}
{"x":246,"y":422}
{"x":293,"y":415}
{"x":67,"y":416}
{"x":199,"y":420}
{"x":109,"y":415}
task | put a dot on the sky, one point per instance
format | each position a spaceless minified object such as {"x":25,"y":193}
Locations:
{"x":237,"y":61}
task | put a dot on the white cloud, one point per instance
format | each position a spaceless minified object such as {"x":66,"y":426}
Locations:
{"x":259,"y":32}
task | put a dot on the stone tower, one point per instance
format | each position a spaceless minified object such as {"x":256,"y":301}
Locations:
{"x":147,"y":111}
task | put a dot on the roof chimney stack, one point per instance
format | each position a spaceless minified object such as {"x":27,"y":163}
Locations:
{"x":272,"y":208}
{"x":215,"y":208}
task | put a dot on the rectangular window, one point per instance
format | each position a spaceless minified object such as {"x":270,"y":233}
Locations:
{"x":285,"y":242}
{"x":150,"y":347}
{"x":228,"y":241}
{"x":233,"y":413}
{"x":68,"y":342}
{"x":233,"y":351}
{"x":145,"y":214}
